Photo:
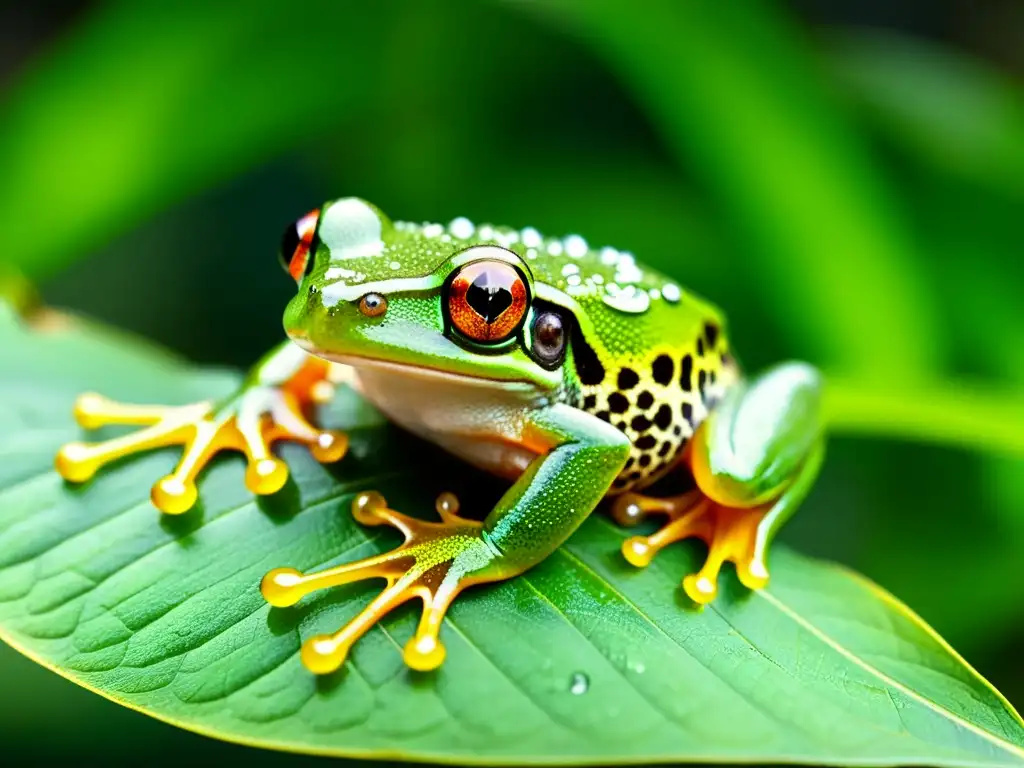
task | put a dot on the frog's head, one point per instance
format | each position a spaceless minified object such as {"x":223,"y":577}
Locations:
{"x":381,"y":294}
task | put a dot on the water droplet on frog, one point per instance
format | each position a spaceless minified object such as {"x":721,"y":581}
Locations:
{"x":578,"y":684}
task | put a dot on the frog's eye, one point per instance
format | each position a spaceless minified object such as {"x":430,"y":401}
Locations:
{"x":373,"y":305}
{"x":296,"y":245}
{"x":487,"y":301}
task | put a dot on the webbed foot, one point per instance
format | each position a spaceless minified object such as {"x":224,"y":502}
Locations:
{"x":732,"y":534}
{"x":250,"y":422}
{"x":434,"y":564}
{"x":753,"y":461}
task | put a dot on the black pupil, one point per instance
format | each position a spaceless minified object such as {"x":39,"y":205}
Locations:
{"x":489,"y":296}
{"x":289,"y":242}
{"x":372,"y":301}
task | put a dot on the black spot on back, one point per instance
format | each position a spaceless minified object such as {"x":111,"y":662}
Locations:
{"x":590,"y":402}
{"x":645,"y":460}
{"x":603,"y":415}
{"x":641,"y":423}
{"x":702,"y":380}
{"x":663,"y":418}
{"x":663,"y":451}
{"x":644,"y":400}
{"x":688,"y":412}
{"x":686,"y":373}
{"x":588,"y":367}
{"x":700,"y":347}
{"x":662,"y":369}
{"x":646,"y":442}
{"x":711,"y":333}
{"x":628,"y":378}
{"x":617,"y":402}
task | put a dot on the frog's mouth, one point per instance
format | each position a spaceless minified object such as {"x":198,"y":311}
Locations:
{"x":446,"y":367}
{"x":411,"y":370}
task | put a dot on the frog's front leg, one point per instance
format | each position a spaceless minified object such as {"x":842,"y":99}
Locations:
{"x":754,"y":460}
{"x":269,"y":406}
{"x":578,"y":457}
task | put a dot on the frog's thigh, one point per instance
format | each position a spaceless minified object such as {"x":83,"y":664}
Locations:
{"x":754,"y":461}
{"x":757,"y":442}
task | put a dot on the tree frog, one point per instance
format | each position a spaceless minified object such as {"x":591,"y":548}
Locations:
{"x":574,"y":372}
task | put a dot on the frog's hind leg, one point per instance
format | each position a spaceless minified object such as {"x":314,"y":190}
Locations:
{"x":749,"y":480}
{"x":733,"y":534}
{"x":684,"y":520}
{"x":729,"y":533}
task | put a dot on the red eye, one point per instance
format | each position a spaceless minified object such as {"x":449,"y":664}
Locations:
{"x":487,"y":301}
{"x":295,"y":245}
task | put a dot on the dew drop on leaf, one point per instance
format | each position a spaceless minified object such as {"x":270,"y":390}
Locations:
{"x":578,"y":684}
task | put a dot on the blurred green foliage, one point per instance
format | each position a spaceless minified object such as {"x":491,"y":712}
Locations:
{"x":850,"y":197}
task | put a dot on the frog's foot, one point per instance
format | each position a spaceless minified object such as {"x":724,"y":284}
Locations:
{"x":731,"y":533}
{"x":250,"y":422}
{"x":436,"y":562}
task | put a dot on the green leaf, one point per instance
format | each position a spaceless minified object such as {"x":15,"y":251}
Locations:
{"x":583,"y":659}
{"x":735,"y":94}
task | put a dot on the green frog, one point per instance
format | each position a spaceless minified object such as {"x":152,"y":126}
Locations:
{"x":574,"y":372}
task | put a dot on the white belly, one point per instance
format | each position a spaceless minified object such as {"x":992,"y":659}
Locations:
{"x":481,"y":423}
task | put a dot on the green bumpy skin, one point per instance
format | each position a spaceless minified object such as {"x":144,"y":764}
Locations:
{"x":574,"y":372}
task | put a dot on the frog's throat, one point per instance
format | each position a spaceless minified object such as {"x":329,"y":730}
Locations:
{"x":518,"y":386}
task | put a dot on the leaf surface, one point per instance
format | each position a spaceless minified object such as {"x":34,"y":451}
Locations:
{"x":582,"y":660}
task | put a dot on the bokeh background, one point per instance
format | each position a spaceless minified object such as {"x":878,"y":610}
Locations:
{"x":846,"y":178}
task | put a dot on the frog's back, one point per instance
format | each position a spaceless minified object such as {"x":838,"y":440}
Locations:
{"x":649,"y":357}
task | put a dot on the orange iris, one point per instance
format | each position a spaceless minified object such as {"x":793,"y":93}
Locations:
{"x":487,"y":301}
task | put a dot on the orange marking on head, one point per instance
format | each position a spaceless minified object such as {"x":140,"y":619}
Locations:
{"x":305,"y":228}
